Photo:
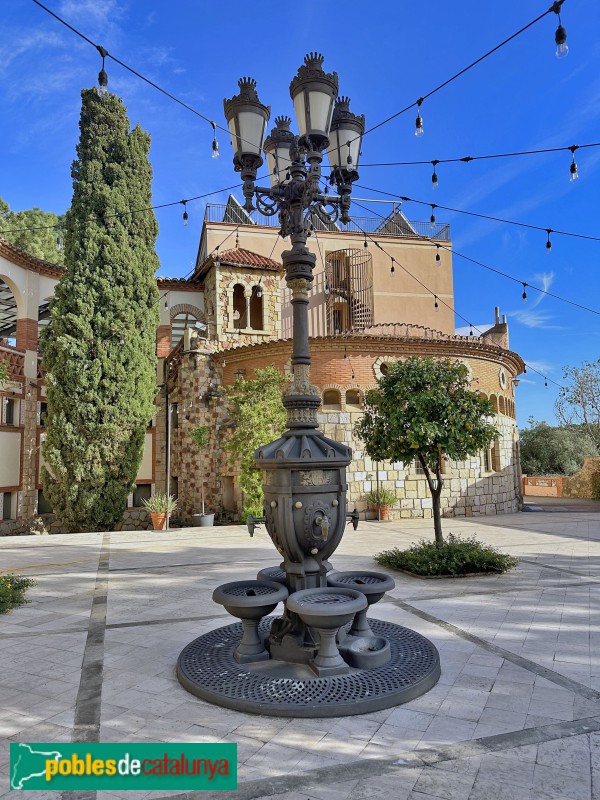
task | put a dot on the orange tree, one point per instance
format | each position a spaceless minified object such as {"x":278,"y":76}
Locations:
{"x":424,"y":409}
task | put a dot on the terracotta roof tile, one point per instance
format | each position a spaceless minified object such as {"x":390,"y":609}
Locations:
{"x":246,"y":258}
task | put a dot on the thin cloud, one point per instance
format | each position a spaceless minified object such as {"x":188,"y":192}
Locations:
{"x":17,"y":46}
{"x":540,"y":366}
{"x":535,"y":319}
{"x":544,"y":280}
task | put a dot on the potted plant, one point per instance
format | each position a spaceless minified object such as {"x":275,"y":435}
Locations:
{"x":159,"y":505}
{"x":381,"y":501}
{"x":200,"y":437}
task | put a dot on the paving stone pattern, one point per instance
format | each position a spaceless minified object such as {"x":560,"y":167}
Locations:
{"x":515,"y":715}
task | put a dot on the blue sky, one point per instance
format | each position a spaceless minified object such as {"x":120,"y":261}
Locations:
{"x":387,"y":54}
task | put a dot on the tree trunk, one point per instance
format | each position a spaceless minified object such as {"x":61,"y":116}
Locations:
{"x":436,"y":491}
{"x":437,"y":518}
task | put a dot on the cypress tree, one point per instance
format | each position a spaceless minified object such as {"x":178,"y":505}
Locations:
{"x":99,"y":351}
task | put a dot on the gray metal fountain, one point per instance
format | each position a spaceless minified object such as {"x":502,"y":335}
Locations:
{"x":321,"y":657}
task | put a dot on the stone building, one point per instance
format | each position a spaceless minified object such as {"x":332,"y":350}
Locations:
{"x":369,"y":306}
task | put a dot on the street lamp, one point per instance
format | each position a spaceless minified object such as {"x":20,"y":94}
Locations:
{"x":309,"y":661}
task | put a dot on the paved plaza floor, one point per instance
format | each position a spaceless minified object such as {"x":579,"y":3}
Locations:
{"x":515,"y":715}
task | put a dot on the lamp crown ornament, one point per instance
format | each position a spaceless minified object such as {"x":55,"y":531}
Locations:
{"x":247,"y":89}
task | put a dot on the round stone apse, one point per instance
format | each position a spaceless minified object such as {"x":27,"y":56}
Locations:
{"x":207,"y":669}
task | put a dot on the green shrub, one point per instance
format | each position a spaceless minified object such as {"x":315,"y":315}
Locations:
{"x":456,"y":556}
{"x":385,"y":497}
{"x":12,"y":592}
{"x":596,"y":486}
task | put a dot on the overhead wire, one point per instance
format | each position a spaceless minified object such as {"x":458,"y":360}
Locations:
{"x":554,"y":8}
{"x":520,"y":281}
{"x":468,"y":159}
{"x":489,"y":217}
{"x":443,"y":302}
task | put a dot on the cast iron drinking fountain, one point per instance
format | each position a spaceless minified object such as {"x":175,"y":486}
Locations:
{"x":321,"y":656}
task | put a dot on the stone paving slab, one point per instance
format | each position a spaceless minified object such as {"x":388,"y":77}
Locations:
{"x":516,"y":713}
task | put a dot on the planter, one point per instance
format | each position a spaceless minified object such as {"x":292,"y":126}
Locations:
{"x":203,"y":520}
{"x":159,"y":521}
{"x":385,"y":512}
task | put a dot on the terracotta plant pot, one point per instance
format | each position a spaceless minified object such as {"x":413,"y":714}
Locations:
{"x":385,"y":512}
{"x":159,"y":521}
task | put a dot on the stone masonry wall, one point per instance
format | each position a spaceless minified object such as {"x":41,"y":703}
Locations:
{"x":580,"y":484}
{"x":468,"y":490}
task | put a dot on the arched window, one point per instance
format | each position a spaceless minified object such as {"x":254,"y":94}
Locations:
{"x":239,"y":307}
{"x":352,"y":399}
{"x":502,"y":405}
{"x":256,"y":309}
{"x":494,"y":400}
{"x":332,"y":400}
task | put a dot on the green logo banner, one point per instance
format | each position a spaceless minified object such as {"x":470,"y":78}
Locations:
{"x":62,"y":767}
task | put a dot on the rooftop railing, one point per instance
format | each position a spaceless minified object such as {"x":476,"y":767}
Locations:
{"x":393,"y":225}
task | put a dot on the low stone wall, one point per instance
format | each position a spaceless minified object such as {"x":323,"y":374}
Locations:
{"x":134,"y":519}
{"x":575,"y":486}
{"x":543,"y":486}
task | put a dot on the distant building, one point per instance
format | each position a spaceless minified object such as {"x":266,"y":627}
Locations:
{"x":233,"y":315}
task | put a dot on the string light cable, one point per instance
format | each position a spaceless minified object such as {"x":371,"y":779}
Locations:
{"x":103,"y":80}
{"x":554,"y":8}
{"x":573,"y":169}
{"x":491,"y":218}
{"x":61,"y":226}
{"x":438,"y":245}
{"x":439,"y":299}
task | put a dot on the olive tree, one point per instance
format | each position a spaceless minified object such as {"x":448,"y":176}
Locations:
{"x":424,"y":409}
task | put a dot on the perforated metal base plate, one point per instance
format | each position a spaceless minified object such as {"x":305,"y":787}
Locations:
{"x":206,"y":668}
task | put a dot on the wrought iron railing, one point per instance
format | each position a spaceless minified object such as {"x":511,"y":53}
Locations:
{"x":393,"y":225}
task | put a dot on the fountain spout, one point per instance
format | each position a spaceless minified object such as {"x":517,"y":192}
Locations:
{"x":323,"y":522}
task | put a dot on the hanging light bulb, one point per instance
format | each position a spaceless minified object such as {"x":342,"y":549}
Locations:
{"x":524,"y":293}
{"x":560,"y":37}
{"x":419,"y":119}
{"x":348,"y":157}
{"x":185,"y":213}
{"x":438,"y":257}
{"x":548,"y":242}
{"x":366,"y":243}
{"x":432,"y":217}
{"x":434,"y":177}
{"x":215,"y":144}
{"x":525,"y":369}
{"x":436,"y":305}
{"x":573,"y":167}
{"x":102,"y":76}
{"x":392,"y":268}
{"x":166,"y":304}
{"x":345,"y":353}
{"x":259,"y":292}
{"x":470,"y":329}
{"x":216,"y":260}
{"x":545,"y":383}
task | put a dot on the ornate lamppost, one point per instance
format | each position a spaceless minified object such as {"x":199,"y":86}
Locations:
{"x":321,"y":657}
